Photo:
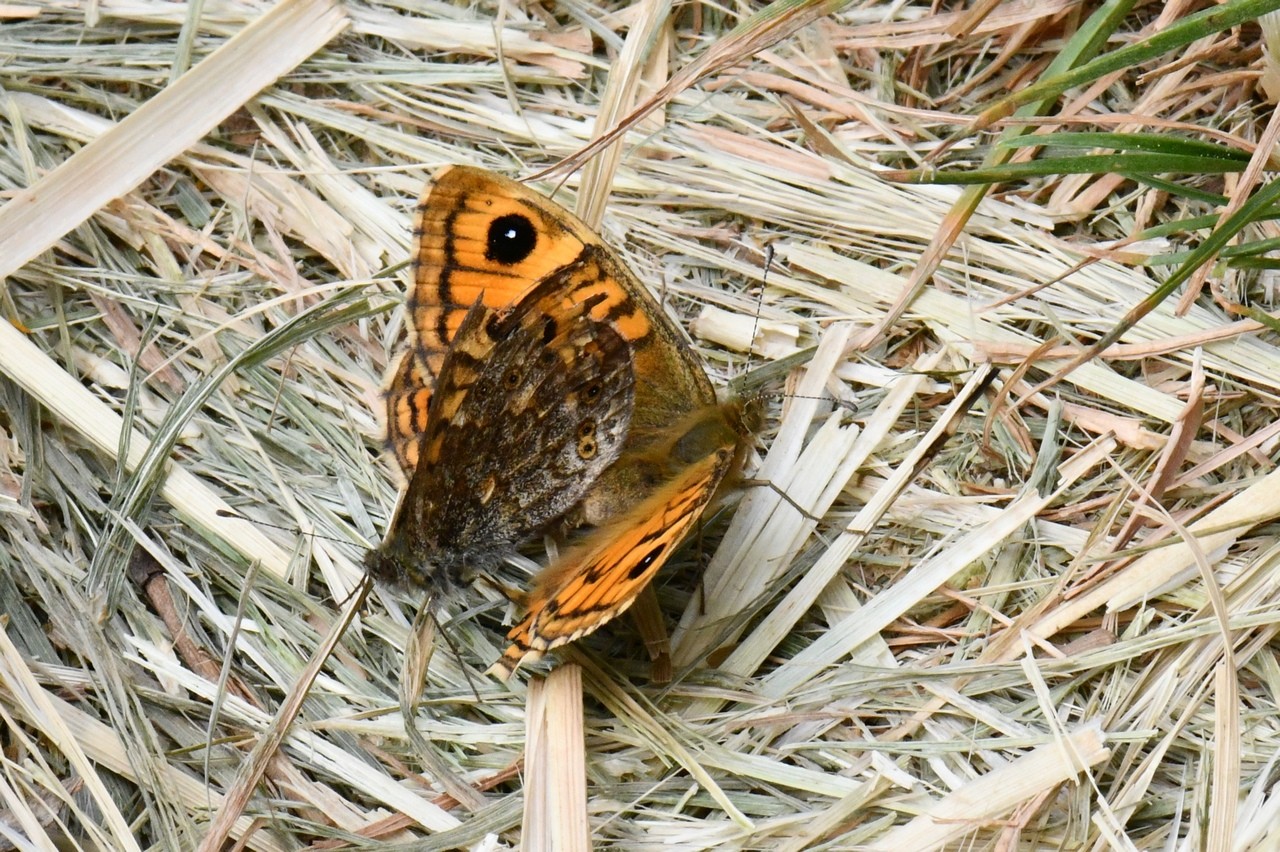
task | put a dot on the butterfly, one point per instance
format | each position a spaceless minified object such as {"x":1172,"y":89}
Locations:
{"x":542,"y":384}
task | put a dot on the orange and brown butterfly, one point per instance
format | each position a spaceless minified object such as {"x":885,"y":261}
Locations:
{"x":543,"y":384}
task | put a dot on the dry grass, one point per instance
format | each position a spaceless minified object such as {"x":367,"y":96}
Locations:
{"x":1017,"y":618}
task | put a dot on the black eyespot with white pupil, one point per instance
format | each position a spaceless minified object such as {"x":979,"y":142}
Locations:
{"x":637,"y":570}
{"x":511,"y":239}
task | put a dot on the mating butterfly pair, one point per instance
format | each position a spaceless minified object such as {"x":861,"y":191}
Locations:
{"x":543,"y":383}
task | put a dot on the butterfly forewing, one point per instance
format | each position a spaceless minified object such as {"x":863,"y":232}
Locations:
{"x":486,"y":238}
{"x":477,"y":242}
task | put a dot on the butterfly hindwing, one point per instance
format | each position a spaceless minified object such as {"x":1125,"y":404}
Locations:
{"x":599,"y":579}
{"x":529,"y":408}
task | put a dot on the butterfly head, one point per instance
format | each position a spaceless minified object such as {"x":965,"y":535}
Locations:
{"x":410,"y":557}
{"x":405,"y":564}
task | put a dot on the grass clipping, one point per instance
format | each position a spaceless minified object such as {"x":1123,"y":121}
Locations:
{"x":962,"y":615}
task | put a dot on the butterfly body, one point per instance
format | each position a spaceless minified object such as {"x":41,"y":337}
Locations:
{"x":544,"y":385}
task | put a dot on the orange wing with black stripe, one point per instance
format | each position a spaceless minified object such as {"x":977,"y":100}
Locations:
{"x":486,"y":239}
{"x":481,"y":239}
{"x":601,"y":578}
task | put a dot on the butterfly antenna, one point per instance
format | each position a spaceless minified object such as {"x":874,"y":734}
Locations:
{"x":231,"y":513}
{"x":457,"y":655}
{"x":764,"y":281}
{"x":366,"y":586}
{"x":413,"y":679}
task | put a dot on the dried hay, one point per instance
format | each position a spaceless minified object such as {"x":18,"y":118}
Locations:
{"x":1005,"y":618}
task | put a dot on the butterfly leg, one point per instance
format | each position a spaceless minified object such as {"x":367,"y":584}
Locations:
{"x":786,"y":498}
{"x":647,"y":616}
